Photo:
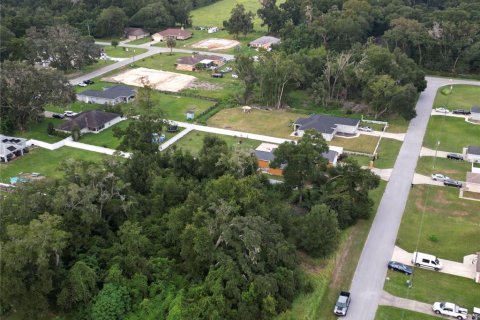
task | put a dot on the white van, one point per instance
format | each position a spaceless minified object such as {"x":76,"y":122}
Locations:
{"x":426,"y":261}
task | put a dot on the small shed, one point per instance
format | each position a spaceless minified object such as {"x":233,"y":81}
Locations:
{"x":190,"y":115}
{"x":247,"y":109}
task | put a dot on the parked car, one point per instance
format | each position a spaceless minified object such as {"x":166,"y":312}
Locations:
{"x":476,"y":313}
{"x":367,"y":129}
{"x":81,"y":84}
{"x":452,"y":183}
{"x":454,"y":156}
{"x":442,"y":110}
{"x":88,"y":82}
{"x":461,"y":111}
{"x":400,"y":267}
{"x":439,"y":177}
{"x":234,"y":75}
{"x":217,"y":75}
{"x":425,"y":260}
{"x":58,"y":115}
{"x":450,"y":309}
{"x":343,"y":301}
{"x":70,"y":113}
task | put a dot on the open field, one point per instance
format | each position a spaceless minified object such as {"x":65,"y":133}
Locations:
{"x":193,"y":142}
{"x":271,"y":123}
{"x":39,"y":131}
{"x":430,"y":286}
{"x":45,"y":162}
{"x":454,"y":169}
{"x":160,"y":80}
{"x":462,"y":97}
{"x":392,"y":313}
{"x":363,"y":143}
{"x":123,"y":52}
{"x":330,"y":276}
{"x":453,"y":133}
{"x":387,"y":153}
{"x":449,"y":224}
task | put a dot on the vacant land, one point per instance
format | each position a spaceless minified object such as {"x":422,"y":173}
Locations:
{"x":215,"y":44}
{"x":392,"y":313}
{"x":461,"y":97}
{"x":45,"y":162}
{"x":123,"y":52}
{"x":363,"y":143}
{"x":387,"y":153}
{"x":429,"y":286}
{"x":38,"y":131}
{"x":454,"y":169}
{"x":270,"y":123}
{"x":193,"y":142}
{"x":449,"y":224}
{"x":453,"y":133}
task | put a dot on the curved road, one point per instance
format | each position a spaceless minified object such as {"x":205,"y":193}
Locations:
{"x":367,"y":284}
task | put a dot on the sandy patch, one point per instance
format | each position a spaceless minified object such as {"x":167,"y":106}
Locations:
{"x":160,"y":80}
{"x":216,"y":44}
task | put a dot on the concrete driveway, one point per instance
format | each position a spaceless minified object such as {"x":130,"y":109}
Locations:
{"x":389,"y":135}
{"x":387,"y":299}
{"x":426,"y":152}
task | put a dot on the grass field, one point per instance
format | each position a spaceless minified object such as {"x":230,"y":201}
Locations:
{"x":461,"y":97}
{"x":449,"y":224}
{"x":76,"y":106}
{"x":454,"y":169}
{"x":140,"y":41}
{"x":392,"y":313}
{"x":387,"y":153}
{"x":453,"y":133}
{"x":330,"y":276}
{"x":193,"y":142}
{"x":363,"y":143}
{"x":429,"y":286}
{"x":39,"y":131}
{"x":123,"y":52}
{"x":45,"y":162}
{"x":87,"y":69}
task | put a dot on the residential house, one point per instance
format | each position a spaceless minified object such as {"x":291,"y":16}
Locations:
{"x":11,"y":147}
{"x":91,"y":121}
{"x":135,"y":33}
{"x":472,"y":183}
{"x":328,"y":126}
{"x":177,"y":34}
{"x":473,"y":154}
{"x":265,"y":42}
{"x":112,"y":95}
{"x":192,"y":62}
{"x":475,"y":113}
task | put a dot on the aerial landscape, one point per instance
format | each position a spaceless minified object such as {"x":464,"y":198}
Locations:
{"x":221,"y":159}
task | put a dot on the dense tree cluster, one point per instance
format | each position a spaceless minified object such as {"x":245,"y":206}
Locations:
{"x":172,"y":236}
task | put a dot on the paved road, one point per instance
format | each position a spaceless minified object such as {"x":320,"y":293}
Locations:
{"x":367,"y":284}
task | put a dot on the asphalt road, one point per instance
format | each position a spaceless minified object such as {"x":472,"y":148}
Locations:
{"x":367,"y":284}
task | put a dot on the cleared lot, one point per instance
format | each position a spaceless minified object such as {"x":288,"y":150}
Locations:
{"x":215,"y":44}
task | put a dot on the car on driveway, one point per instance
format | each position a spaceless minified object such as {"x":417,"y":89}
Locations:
{"x":442,"y":110}
{"x":88,"y":82}
{"x":58,"y":115}
{"x":454,"y":156}
{"x":452,"y":183}
{"x":400,"y":267}
{"x":70,"y":113}
{"x":439,"y":177}
{"x":366,"y":129}
{"x":461,"y":111}
{"x":81,"y":84}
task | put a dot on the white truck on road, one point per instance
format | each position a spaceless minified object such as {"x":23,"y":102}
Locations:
{"x":450,"y":309}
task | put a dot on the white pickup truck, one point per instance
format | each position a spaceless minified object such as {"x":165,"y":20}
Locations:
{"x":450,"y":309}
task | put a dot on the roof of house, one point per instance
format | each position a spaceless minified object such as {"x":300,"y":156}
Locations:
{"x":323,"y":123}
{"x":473,"y":177}
{"x":170,"y":32}
{"x":91,"y":119}
{"x":475,"y":109}
{"x":330,"y":155}
{"x":135,"y":32}
{"x":473,"y":150}
{"x":193,"y":60}
{"x":265,"y":151}
{"x":110,"y":93}
{"x":265,"y":40}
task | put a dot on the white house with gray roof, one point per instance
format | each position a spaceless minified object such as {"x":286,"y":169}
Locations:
{"x":328,"y":126}
{"x":112,"y":95}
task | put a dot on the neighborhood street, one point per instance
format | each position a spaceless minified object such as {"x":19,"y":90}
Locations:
{"x":367,"y":284}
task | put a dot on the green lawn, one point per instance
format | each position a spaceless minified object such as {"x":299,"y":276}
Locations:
{"x":454,"y":169}
{"x":141,"y":41}
{"x":449,"y":224}
{"x":87,"y":69}
{"x":45,"y":162}
{"x":397,"y":125}
{"x":363,"y":143}
{"x":193,"y":142}
{"x":392,"y":313}
{"x":76,"y":106}
{"x":39,"y":131}
{"x":461,"y":97}
{"x":362,"y":160}
{"x":453,"y":133}
{"x":123,"y":52}
{"x":387,"y":153}
{"x":105,"y":138}
{"x":430,"y":286}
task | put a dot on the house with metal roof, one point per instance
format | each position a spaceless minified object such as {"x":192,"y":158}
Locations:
{"x":112,"y":95}
{"x":265,"y":42}
{"x":91,"y":121}
{"x":191,"y":63}
{"x":11,"y":147}
{"x":328,"y":126}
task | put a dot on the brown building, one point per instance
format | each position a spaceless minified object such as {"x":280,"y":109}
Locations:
{"x":177,"y":34}
{"x":191,"y":63}
{"x":135,"y":33}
